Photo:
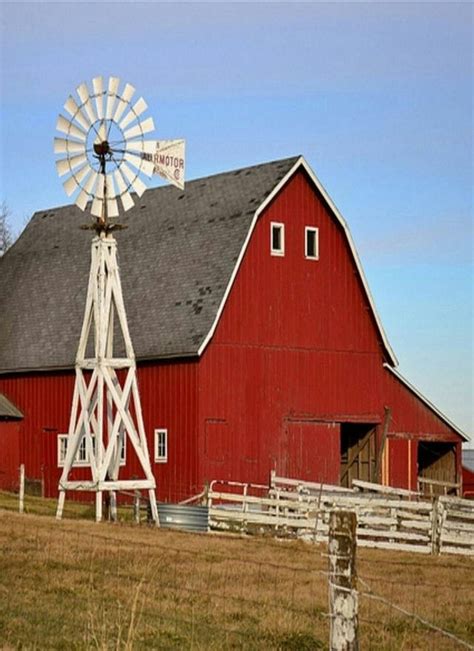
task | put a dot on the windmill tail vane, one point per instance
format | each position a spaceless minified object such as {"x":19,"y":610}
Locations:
{"x":104,"y":157}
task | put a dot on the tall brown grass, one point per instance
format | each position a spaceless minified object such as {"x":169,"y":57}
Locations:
{"x":79,"y":585}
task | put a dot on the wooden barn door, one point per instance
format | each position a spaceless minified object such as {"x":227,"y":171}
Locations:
{"x":358,"y":453}
{"x":311,"y":451}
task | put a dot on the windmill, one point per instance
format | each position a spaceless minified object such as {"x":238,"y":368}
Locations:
{"x":105,"y":156}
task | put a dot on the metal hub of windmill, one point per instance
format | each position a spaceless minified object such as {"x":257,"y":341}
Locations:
{"x":105,"y":149}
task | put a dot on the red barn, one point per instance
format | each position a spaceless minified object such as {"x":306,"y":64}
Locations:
{"x":258,"y":343}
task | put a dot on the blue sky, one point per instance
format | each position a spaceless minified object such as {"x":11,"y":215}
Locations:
{"x":377,"y":97}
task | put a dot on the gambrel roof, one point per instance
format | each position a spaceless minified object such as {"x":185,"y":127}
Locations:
{"x":179,"y":255}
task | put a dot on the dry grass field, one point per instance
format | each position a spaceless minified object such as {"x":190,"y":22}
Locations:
{"x":79,"y":585}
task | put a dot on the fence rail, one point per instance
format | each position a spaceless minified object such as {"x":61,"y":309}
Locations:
{"x":387,"y":519}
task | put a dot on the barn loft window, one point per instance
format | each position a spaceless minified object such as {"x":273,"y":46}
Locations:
{"x":311,"y":243}
{"x":161,"y":445}
{"x":277,"y":238}
{"x":82,"y":458}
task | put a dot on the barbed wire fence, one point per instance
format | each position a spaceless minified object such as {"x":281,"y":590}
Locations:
{"x":146,"y":592}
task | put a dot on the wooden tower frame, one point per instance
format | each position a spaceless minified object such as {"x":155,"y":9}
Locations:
{"x":105,"y":412}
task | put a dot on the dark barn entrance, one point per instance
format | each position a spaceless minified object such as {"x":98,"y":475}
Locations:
{"x":358,"y":452}
{"x":437,"y":465}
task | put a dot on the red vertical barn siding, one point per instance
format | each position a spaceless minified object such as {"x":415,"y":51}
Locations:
{"x":411,"y":419}
{"x":467,"y":483}
{"x":291,"y":301}
{"x":256,"y":391}
{"x":169,"y":395}
{"x":45,"y":401}
{"x":398,"y":473}
{"x":410,"y":414}
{"x":169,"y":400}
{"x":10,"y":454}
{"x":296,"y":341}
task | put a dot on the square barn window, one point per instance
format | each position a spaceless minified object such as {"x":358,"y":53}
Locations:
{"x":82,"y":458}
{"x":161,"y":445}
{"x":311,"y":243}
{"x":277,"y":238}
{"x":62,"y":449}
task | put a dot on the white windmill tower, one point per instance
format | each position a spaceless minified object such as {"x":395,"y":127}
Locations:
{"x":105,"y":155}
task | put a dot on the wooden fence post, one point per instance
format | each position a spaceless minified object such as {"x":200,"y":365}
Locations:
{"x":136,"y":507}
{"x":21,"y":504}
{"x":437,"y":517}
{"x":343,"y":597}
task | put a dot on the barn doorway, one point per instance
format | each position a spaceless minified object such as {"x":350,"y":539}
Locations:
{"x":358,"y":453}
{"x":437,"y":468}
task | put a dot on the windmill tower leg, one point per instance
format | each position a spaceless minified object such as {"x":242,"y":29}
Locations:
{"x":105,"y":412}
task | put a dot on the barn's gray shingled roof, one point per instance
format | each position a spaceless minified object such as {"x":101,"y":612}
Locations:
{"x":8,"y":409}
{"x":176,"y":256}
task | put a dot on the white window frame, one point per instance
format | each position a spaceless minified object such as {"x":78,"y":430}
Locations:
{"x":62,"y":438}
{"x":311,"y":229}
{"x":85,"y":462}
{"x":78,"y":463}
{"x":163,"y":457}
{"x":280,"y":251}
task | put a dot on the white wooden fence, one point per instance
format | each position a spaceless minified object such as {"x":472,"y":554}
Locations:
{"x":388,"y":518}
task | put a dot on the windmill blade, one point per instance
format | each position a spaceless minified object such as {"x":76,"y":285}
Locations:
{"x":119,"y":182}
{"x":70,"y":185}
{"x":82,"y":199}
{"x":112,"y":91}
{"x":65,"y":165}
{"x":98,"y":85}
{"x":136,"y":161}
{"x":123,"y":102}
{"x":140,"y":129}
{"x":146,"y":146}
{"x":102,"y":132}
{"x":110,"y":186}
{"x":82,"y":173}
{"x":74,"y":181}
{"x":170,"y":162}
{"x":84,"y":196}
{"x":128,"y":93}
{"x":96,"y":209}
{"x":137,"y":184}
{"x":91,"y":181}
{"x":141,"y":164}
{"x":125,"y":196}
{"x":127,"y":201}
{"x":63,"y":146}
{"x":83,"y":93}
{"x":66,"y":126}
{"x":99,"y":189}
{"x":76,"y":113}
{"x":147,"y":167}
{"x":112,"y":208}
{"x":137,"y":109}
